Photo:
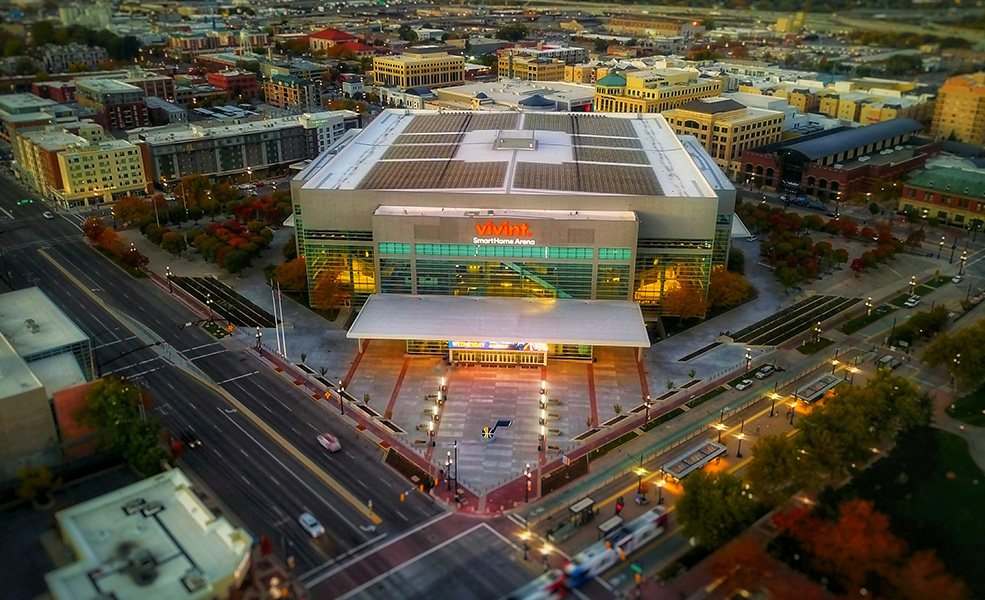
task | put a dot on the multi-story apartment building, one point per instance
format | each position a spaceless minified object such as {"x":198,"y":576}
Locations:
{"x":960,"y":110}
{"x":80,"y":170}
{"x":285,"y":91}
{"x":566,"y":54}
{"x":530,"y":69}
{"x":419,"y":69}
{"x":235,"y":81}
{"x":725,"y":127}
{"x":325,"y":128}
{"x":24,"y":112}
{"x":182,"y":46}
{"x":158,"y":86}
{"x":654,"y":90}
{"x":321,"y":41}
{"x":163,"y":112}
{"x":120,"y":105}
{"x":59,"y":59}
{"x":220,"y":149}
{"x":954,"y":196}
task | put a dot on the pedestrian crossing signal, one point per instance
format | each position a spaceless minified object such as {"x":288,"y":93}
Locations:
{"x":230,"y":327}
{"x":401,"y":497}
{"x":639,"y":579}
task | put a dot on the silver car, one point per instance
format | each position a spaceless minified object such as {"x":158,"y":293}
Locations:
{"x":311,"y":525}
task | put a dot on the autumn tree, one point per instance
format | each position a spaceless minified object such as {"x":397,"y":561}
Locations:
{"x":726,"y":289}
{"x":174,"y":243}
{"x":131,"y":209}
{"x":744,"y":563}
{"x":685,"y":301}
{"x":292,"y":275}
{"x":93,"y":227}
{"x":916,"y":238}
{"x":714,"y":508}
{"x":329,"y":290}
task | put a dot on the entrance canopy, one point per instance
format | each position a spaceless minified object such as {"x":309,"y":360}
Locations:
{"x":535,"y":320}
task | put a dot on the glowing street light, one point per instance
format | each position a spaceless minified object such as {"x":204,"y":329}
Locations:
{"x":793,"y":410}
{"x":868,"y":307}
{"x":774,"y":396}
{"x":526,"y":474}
{"x":913,"y":284}
{"x":834,"y":365}
{"x":740,"y":437}
{"x":720,"y":427}
{"x":660,"y":488}
{"x":964,"y":257}
{"x":940,"y":248}
{"x":647,"y":404}
{"x":748,"y":358}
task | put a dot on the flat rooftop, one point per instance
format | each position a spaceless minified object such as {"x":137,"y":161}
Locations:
{"x":55,"y":140}
{"x":15,"y":376}
{"x":514,"y":152}
{"x":508,"y":93}
{"x":486,"y":319}
{"x":553,"y":215}
{"x":150,"y":539}
{"x":106,"y":85}
{"x":55,"y":329}
{"x":170,"y":134}
{"x":26,"y":102}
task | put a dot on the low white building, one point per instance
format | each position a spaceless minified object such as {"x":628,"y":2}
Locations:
{"x":152,"y":539}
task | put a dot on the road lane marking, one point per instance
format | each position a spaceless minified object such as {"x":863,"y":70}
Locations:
{"x":503,"y":537}
{"x":355,"y":559}
{"x":296,"y":476}
{"x":225,"y":381}
{"x":408,"y":562}
{"x":402,"y":516}
{"x":211,"y":354}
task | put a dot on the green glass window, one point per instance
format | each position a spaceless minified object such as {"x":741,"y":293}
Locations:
{"x":394,"y":248}
{"x":511,"y":278}
{"x":615,"y":253}
{"x":502,"y":251}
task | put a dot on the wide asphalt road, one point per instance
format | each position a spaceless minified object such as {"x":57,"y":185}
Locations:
{"x":256,"y":477}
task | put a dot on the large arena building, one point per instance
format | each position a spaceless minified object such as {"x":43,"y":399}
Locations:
{"x":511,"y":236}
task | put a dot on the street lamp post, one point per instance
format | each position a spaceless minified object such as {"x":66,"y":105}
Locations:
{"x":868,"y":307}
{"x":940,"y":248}
{"x":957,"y":363}
{"x":740,"y":437}
{"x":720,"y":427}
{"x":913,"y":284}
{"x":774,"y":397}
{"x":647,"y":404}
{"x":259,"y":335}
{"x":640,"y":472}
{"x":748,"y":358}
{"x":853,"y":371}
{"x":526,"y":475}
{"x":793,"y":410}
{"x":208,"y":302}
{"x":834,"y":365}
{"x":167,"y":274}
{"x":660,"y":489}
{"x":448,"y":470}
{"x":341,"y":399}
{"x":954,"y":246}
{"x":964,"y":257}
{"x":817,"y":332}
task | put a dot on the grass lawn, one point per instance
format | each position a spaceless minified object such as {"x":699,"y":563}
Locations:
{"x":970,"y":409}
{"x":933,"y":493}
{"x":937,"y":282}
{"x":923,"y":290}
{"x":750,"y":374}
{"x":706,"y":397}
{"x":814,"y":347}
{"x":610,"y":446}
{"x":859,"y":322}
{"x":899,"y":300}
{"x":663,"y":419}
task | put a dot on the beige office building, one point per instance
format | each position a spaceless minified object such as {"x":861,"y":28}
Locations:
{"x":531,"y":69}
{"x":410,"y":70}
{"x":725,"y":127}
{"x":653,"y":90}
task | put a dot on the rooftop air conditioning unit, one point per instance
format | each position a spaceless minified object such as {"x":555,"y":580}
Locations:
{"x":32,"y":326}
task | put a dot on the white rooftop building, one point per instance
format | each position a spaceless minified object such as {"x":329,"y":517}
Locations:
{"x":154,"y":539}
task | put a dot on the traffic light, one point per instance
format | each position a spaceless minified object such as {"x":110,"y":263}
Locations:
{"x":230,"y":327}
{"x":619,"y":504}
{"x":401,"y":497}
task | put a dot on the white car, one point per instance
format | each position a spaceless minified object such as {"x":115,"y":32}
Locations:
{"x":47,"y":215}
{"x":765,"y":371}
{"x":912,"y":301}
{"x":745,"y":383}
{"x":329,"y":442}
{"x":957,"y":278}
{"x":311,"y":525}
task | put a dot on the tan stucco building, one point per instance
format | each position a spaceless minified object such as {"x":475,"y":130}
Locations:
{"x":426,"y":69}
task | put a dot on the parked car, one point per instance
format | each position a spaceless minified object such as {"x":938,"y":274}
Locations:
{"x":912,"y":301}
{"x":47,"y":215}
{"x":765,"y":371}
{"x":957,"y":278}
{"x":752,"y":238}
{"x":311,"y":525}
{"x":329,"y":442}
{"x":744,"y":384}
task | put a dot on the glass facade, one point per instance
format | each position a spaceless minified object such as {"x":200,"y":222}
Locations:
{"x":661,"y":271}
{"x":338,"y":274}
{"x":723,"y":239}
{"x":513,"y":279}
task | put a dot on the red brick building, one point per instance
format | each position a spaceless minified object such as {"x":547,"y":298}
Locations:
{"x":837,"y":163}
{"x":326,"y":38}
{"x":59,"y":91}
{"x":235,"y":81}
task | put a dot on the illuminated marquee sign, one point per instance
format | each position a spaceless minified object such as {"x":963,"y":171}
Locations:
{"x":518,"y":346}
{"x":503,"y":234}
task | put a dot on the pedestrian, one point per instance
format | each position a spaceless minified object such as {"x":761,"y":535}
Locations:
{"x":757,"y":429}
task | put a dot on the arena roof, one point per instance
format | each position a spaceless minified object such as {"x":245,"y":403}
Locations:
{"x":848,"y":139}
{"x":540,"y":320}
{"x":514,"y":152}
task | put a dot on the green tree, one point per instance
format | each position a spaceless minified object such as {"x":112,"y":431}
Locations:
{"x":42,"y":32}
{"x":290,"y":248}
{"x":174,"y":243}
{"x":35,"y":482}
{"x":513,"y":32}
{"x":601,"y":46}
{"x":961,"y":353}
{"x":714,"y":508}
{"x":775,"y":468}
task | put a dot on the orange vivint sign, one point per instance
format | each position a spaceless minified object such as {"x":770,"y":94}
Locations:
{"x":489,"y":228}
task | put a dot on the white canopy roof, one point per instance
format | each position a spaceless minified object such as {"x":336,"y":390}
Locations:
{"x":466,"y":318}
